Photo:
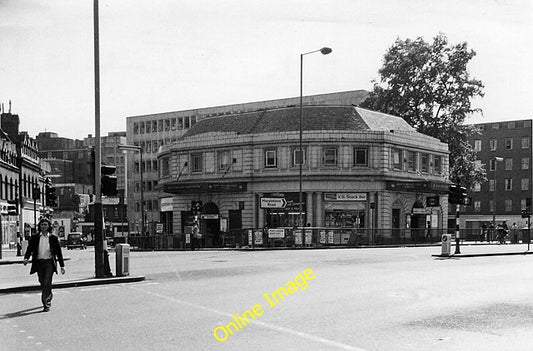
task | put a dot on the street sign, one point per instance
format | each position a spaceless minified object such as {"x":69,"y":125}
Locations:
{"x":273,"y":202}
{"x":276,"y":233}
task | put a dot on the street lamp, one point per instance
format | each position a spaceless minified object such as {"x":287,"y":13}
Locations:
{"x":138,"y":148}
{"x":323,"y":51}
{"x":496,"y":160}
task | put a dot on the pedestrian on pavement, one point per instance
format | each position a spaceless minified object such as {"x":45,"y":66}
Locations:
{"x":514,"y":233}
{"x":484,"y":232}
{"x":45,"y":251}
{"x":195,"y":236}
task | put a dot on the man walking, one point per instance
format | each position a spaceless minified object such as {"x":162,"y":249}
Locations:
{"x":45,"y":251}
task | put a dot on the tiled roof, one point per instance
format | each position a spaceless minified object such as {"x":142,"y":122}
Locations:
{"x":288,"y":119}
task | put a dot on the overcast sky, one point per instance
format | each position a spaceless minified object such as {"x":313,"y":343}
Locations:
{"x":167,"y":55}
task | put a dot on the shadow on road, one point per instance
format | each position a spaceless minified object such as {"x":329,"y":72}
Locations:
{"x":22,"y":313}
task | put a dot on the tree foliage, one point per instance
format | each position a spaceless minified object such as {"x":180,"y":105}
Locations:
{"x":429,"y":86}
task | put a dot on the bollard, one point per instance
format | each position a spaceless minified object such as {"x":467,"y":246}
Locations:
{"x":446,"y":244}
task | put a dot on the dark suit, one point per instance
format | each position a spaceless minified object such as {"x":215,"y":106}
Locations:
{"x":45,"y":268}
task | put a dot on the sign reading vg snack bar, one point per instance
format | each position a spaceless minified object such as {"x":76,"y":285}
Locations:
{"x":345,"y":196}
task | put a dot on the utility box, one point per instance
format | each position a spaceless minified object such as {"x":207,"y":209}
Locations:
{"x":122,"y":254}
{"x":446,"y":241}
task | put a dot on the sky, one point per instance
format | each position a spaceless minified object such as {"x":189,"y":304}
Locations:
{"x":169,"y":55}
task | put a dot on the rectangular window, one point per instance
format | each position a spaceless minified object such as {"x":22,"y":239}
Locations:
{"x":223,"y":160}
{"x":525,"y":183}
{"x":180,"y":123}
{"x":492,"y":184}
{"x":360,"y":157}
{"x":508,"y":184}
{"x":525,"y":143}
{"x":270,"y":158}
{"x":160,"y":125}
{"x":167,"y":125}
{"x":186,"y":123}
{"x":135,"y":128}
{"x":508,"y":205}
{"x":197,"y":164}
{"x":527,"y":124}
{"x":511,"y":125}
{"x":492,"y":165}
{"x":477,"y":187}
{"x":173,"y":124}
{"x":154,"y":126}
{"x":495,"y":126}
{"x":142,"y":128}
{"x":525,"y":163}
{"x":477,"y":206}
{"x":508,"y":164}
{"x":396,"y":159}
{"x":493,"y":144}
{"x":330,"y":156}
{"x":491,"y":205}
{"x":424,"y":163}
{"x":296,"y":156}
{"x":148,"y":127}
{"x":477,"y":145}
{"x":509,"y":144}
{"x":437,"y":164}
{"x":193,"y":120}
{"x":411,"y":161}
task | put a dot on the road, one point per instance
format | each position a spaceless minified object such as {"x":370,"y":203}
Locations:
{"x":357,"y":299}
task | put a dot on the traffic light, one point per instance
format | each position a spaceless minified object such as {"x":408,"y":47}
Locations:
{"x":196,"y":207}
{"x":12,"y":207}
{"x":51,"y":197}
{"x":433,"y":201}
{"x":458,"y":195}
{"x":526,"y":213}
{"x":109,"y":181}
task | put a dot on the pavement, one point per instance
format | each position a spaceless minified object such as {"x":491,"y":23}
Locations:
{"x":18,"y":279}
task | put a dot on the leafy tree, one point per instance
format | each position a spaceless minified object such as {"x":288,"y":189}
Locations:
{"x":428,"y":85}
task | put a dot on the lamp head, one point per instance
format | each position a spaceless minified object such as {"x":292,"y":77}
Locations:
{"x":325,"y":51}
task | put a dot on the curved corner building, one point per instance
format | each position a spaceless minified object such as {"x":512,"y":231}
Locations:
{"x":361,"y":169}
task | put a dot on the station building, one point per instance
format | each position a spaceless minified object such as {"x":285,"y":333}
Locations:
{"x":360,"y":169}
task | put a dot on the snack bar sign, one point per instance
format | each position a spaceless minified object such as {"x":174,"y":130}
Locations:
{"x":345,"y":197}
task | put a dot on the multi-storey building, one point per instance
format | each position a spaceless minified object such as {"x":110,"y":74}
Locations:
{"x":505,"y":150}
{"x":361,"y":169}
{"x":20,"y":174}
{"x":152,"y":131}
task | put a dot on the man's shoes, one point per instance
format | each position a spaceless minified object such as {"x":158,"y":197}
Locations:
{"x":46,"y":309}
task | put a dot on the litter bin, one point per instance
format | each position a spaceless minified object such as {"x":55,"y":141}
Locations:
{"x":122,"y":254}
{"x":446,"y":241}
{"x":525,"y":236}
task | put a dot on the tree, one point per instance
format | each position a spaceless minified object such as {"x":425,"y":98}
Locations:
{"x":429,"y":86}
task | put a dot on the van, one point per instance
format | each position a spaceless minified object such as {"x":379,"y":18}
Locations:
{"x":75,"y":240}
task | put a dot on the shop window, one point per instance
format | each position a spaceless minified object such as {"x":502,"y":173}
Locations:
{"x":270,"y":158}
{"x":330,"y":156}
{"x":296,"y":156}
{"x":345,"y":218}
{"x":196,"y":162}
{"x":360,"y":157}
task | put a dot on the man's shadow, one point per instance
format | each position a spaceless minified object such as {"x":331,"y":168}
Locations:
{"x":23,"y":313}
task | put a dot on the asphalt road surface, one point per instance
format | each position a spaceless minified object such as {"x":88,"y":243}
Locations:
{"x":347,"y":299}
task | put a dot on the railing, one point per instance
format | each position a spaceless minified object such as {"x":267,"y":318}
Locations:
{"x":321,"y":238}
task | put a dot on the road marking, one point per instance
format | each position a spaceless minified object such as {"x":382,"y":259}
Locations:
{"x":262,"y":324}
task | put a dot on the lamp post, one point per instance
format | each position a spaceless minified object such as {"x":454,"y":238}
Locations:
{"x":323,"y":51}
{"x":496,"y":160}
{"x":138,"y":148}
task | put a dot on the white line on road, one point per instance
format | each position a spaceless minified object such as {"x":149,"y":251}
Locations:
{"x":262,"y":324}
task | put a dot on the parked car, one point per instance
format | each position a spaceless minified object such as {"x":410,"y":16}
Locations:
{"x":76,"y":240}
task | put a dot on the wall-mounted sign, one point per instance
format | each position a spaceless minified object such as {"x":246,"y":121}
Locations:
{"x":345,"y":196}
{"x":273,"y":202}
{"x":276,"y":233}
